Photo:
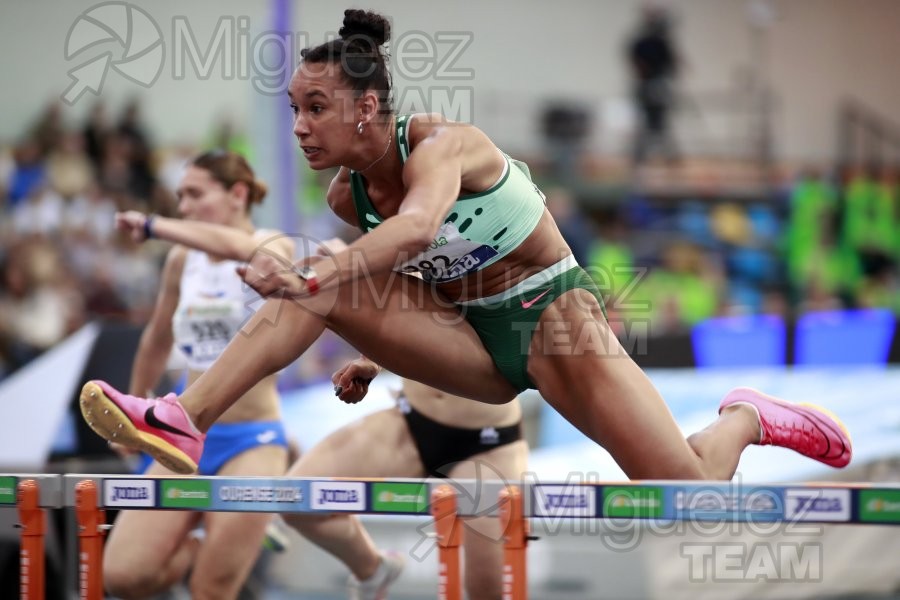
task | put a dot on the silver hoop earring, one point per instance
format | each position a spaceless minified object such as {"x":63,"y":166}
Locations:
{"x":359,"y":128}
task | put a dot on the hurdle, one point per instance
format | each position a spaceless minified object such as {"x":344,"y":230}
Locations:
{"x":92,"y":527}
{"x":449,"y":539}
{"x":450,"y":534}
{"x":515,"y":541}
{"x":33,"y":524}
{"x":31,"y":495}
{"x":515,"y":504}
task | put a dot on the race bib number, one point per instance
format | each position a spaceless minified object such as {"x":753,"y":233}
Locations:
{"x":449,"y":257}
{"x":204,"y":331}
{"x":208,"y":339}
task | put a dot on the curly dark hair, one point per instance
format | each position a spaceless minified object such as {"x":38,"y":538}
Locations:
{"x":360,"y":52}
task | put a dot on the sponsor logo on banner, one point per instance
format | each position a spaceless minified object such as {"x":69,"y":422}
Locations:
{"x":186,"y":493}
{"x":266,"y":496}
{"x":129,"y":492}
{"x":729,"y":503}
{"x":636,"y":501}
{"x":879,"y":505}
{"x":339,"y":495}
{"x":7,"y":490}
{"x":565,"y":501}
{"x":817,"y":505}
{"x":400,"y":497}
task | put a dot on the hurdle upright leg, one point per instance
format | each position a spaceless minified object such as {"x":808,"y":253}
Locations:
{"x":91,"y":529}
{"x":515,"y":542}
{"x":33,"y":526}
{"x":449,"y":536}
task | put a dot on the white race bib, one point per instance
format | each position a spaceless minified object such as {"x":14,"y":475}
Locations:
{"x":449,"y":257}
{"x":203,"y":332}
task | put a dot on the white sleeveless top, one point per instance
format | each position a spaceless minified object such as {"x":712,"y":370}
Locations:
{"x":213,"y":305}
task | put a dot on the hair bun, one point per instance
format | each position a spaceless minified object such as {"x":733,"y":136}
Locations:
{"x":258,"y":192}
{"x":367,"y":24}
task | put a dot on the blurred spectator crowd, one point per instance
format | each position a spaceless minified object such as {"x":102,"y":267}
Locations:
{"x":664,"y":264}
{"x":62,"y":262}
{"x":813,"y":245}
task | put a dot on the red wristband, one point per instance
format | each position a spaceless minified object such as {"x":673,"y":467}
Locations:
{"x":308,"y":275}
{"x":312,"y":284}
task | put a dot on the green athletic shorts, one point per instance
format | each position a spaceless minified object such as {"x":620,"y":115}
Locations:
{"x":506,"y":322}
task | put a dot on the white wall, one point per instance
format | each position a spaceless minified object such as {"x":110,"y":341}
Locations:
{"x":523,"y":52}
{"x":823,"y":51}
{"x":33,"y":38}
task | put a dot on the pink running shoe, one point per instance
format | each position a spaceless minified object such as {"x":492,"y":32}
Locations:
{"x":806,"y":428}
{"x":159,"y":427}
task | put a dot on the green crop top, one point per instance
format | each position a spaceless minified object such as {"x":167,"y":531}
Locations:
{"x":479,"y":230}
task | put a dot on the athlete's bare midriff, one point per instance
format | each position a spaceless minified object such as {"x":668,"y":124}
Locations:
{"x":545,"y":246}
{"x":455,"y":411}
{"x":259,"y":404}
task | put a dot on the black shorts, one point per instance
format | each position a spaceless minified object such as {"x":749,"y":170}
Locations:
{"x":441,"y":446}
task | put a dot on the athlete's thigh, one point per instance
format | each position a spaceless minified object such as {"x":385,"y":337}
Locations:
{"x":505,"y":463}
{"x":259,"y":461}
{"x":581,"y":369}
{"x":403,"y":324}
{"x":232,"y":544}
{"x":483,"y":539}
{"x":483,"y":557}
{"x":146,"y":539}
{"x":378,"y":445}
{"x":233,"y":540}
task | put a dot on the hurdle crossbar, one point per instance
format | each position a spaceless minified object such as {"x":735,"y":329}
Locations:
{"x":514,"y":502}
{"x":832,"y":503}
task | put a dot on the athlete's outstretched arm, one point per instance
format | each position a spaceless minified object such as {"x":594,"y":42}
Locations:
{"x":432,"y":177}
{"x":220,"y":240}
{"x":157,"y":339}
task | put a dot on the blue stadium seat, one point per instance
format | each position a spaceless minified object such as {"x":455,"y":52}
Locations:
{"x":845,"y":337}
{"x":740,"y":341}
